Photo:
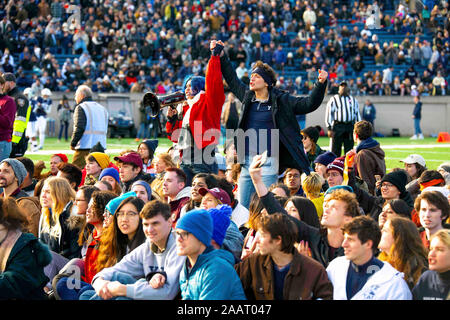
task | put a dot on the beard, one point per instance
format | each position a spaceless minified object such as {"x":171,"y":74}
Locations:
{"x":4,"y":183}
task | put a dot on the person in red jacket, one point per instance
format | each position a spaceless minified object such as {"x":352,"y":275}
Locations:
{"x":7,"y":116}
{"x":197,"y":131}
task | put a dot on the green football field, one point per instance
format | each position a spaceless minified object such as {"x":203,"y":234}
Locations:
{"x":396,"y":148}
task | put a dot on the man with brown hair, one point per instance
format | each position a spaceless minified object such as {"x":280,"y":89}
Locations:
{"x":360,"y":275}
{"x":268,"y":123}
{"x":283,"y":273}
{"x":292,"y":180}
{"x":132,"y":277}
{"x":433,"y":210}
{"x":176,"y":191}
{"x":340,"y":206}
{"x":369,"y":157}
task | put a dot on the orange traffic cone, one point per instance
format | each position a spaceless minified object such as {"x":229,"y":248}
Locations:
{"x":443,"y":137}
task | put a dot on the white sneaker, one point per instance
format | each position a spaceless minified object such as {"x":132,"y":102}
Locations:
{"x":420,"y":136}
{"x":414,"y":137}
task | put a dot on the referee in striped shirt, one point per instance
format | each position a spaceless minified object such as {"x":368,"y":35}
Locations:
{"x":341,"y":114}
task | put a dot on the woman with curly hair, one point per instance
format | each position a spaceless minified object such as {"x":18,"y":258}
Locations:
{"x":123,"y":235}
{"x":402,"y":247}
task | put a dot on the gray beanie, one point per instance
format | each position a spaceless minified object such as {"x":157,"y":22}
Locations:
{"x":19,"y":169}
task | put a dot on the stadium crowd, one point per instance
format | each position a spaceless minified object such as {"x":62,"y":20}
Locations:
{"x":284,"y":221}
{"x":138,"y":46}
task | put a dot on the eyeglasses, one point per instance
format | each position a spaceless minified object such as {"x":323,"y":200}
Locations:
{"x":387,"y":185}
{"x":183,"y":234}
{"x":334,"y":174}
{"x":129,"y":214}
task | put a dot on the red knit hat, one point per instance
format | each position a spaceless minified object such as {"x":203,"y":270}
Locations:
{"x":62,"y":156}
{"x":337,"y":164}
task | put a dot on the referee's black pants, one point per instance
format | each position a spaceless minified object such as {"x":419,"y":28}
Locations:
{"x":343,"y":135}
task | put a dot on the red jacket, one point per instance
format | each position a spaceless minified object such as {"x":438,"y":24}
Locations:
{"x":90,"y":260}
{"x":7,"y":116}
{"x":206,"y":110}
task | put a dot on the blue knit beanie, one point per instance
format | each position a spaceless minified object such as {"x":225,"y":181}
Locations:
{"x":110,"y":172}
{"x":145,"y":185}
{"x":221,"y":221}
{"x":345,"y":187}
{"x":114,"y":203}
{"x":325,"y":158}
{"x":197,"y":84}
{"x":199,"y":223}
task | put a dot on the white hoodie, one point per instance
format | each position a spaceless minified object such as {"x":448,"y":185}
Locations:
{"x":385,"y":284}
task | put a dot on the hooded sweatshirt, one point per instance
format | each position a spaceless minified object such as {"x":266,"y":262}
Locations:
{"x":369,"y":161}
{"x":385,"y":284}
{"x":142,"y":263}
{"x":212,"y":278}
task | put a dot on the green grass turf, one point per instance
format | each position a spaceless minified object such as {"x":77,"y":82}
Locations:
{"x":433,"y":156}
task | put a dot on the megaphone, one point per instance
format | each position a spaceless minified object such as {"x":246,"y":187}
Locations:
{"x":156,"y":103}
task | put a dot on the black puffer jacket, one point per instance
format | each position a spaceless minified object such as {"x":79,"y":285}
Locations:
{"x":67,"y":244}
{"x":284,"y":109}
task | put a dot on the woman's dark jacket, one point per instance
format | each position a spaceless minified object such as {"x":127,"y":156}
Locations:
{"x":284,"y":109}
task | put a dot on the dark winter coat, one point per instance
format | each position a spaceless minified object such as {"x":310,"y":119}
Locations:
{"x":24,"y":276}
{"x":284,"y":109}
{"x":305,"y":280}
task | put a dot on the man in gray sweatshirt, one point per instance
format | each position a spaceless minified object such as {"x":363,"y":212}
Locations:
{"x":156,"y":258}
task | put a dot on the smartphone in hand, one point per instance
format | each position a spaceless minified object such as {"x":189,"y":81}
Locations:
{"x":263,"y":159}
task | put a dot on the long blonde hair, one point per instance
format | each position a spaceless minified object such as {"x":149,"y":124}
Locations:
{"x":61,"y":194}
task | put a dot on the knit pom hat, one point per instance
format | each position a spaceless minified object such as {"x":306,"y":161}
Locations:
{"x":337,"y":164}
{"x":199,"y":223}
{"x":398,"y":179}
{"x":111,"y":172}
{"x":101,"y":158}
{"x":221,"y":221}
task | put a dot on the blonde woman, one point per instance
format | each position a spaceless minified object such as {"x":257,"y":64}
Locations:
{"x":161,"y":161}
{"x":58,"y":228}
{"x":312,"y":185}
